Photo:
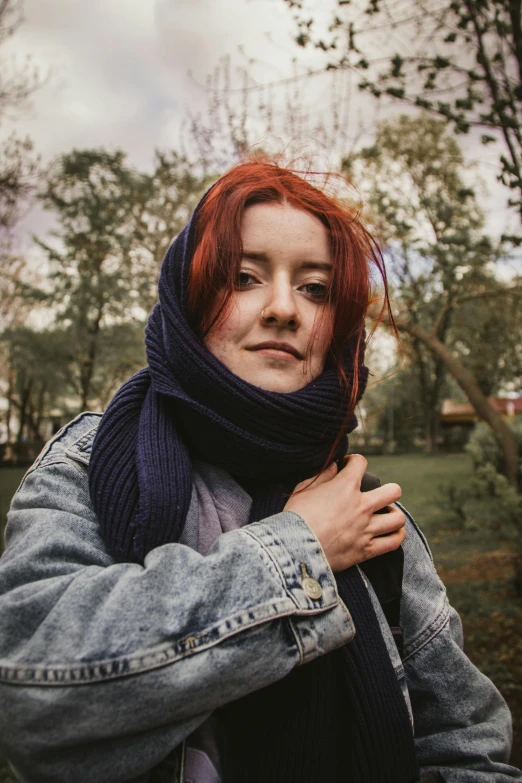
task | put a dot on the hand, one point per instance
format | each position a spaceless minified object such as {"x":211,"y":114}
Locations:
{"x":343,"y":518}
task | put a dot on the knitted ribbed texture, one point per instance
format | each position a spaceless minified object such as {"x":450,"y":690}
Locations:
{"x":340,"y":718}
{"x":298,"y":730}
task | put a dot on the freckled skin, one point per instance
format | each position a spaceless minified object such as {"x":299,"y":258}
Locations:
{"x":288,"y":282}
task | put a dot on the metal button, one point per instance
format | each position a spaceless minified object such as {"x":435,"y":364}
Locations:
{"x":312,"y":588}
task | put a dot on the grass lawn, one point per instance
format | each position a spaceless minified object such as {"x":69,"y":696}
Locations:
{"x":10,"y":479}
{"x":476,"y":566}
{"x":421,"y":477}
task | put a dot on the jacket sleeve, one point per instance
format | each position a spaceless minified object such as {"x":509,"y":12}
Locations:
{"x":106,"y":667}
{"x":462,"y":723}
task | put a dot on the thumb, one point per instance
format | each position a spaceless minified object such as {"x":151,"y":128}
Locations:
{"x":321,"y":478}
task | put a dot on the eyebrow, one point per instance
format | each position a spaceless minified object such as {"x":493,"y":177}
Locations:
{"x":254,"y":256}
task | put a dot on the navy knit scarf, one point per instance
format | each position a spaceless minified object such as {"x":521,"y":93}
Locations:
{"x":186,"y":405}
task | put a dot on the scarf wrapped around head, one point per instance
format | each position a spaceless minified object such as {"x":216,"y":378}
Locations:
{"x":187,"y":403}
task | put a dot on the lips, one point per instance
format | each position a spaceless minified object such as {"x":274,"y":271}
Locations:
{"x":271,"y":345}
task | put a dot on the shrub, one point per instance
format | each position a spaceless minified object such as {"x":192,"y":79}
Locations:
{"x":484,"y":448}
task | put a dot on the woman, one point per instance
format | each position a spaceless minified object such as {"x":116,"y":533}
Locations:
{"x":148,"y":632}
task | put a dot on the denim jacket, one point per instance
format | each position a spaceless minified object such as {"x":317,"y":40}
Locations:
{"x":106,"y":668}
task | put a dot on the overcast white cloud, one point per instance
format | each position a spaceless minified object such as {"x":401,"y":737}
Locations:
{"x":119,"y":73}
{"x":119,"y":69}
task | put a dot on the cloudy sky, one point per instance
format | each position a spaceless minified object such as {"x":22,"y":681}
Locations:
{"x":124,"y":73}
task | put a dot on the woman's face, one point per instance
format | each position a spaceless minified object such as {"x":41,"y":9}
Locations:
{"x":280,"y":297}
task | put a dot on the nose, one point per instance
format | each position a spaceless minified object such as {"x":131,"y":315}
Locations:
{"x":281,"y":308}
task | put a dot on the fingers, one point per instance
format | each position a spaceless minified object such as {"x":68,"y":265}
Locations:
{"x":383,"y":496}
{"x":384,"y":524}
{"x":383,"y":544}
{"x":388,"y":533}
{"x":355,"y":469}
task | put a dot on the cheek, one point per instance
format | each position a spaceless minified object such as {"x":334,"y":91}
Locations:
{"x":322,"y":337}
{"x":219,"y":342}
{"x":228,"y":334}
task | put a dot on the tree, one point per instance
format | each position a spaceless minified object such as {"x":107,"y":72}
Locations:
{"x":462,"y":61}
{"x":94,"y":195}
{"x":393,"y":416}
{"x":171,"y":194}
{"x":114,"y":226}
{"x":432,"y":229}
{"x":486,"y":333}
{"x":468,"y":384}
{"x":246,"y":116}
{"x":20,"y":169}
{"x":438,"y":256}
{"x":18,"y":165}
{"x":448,"y":223}
{"x":36,"y":367}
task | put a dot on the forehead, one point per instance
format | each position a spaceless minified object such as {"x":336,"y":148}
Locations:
{"x":275,"y":228}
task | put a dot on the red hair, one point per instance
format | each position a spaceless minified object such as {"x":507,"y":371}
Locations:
{"x":217,"y":258}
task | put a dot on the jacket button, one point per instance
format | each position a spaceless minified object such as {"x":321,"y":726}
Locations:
{"x":312,"y":588}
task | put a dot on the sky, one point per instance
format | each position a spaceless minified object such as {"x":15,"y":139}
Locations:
{"x":126,"y":73}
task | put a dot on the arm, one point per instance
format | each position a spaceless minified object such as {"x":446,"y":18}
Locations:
{"x":106,"y":667}
{"x":462,"y":724}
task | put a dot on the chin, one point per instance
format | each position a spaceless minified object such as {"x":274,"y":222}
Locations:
{"x":279,"y":385}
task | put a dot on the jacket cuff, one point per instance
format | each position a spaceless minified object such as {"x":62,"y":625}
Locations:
{"x":321,"y":622}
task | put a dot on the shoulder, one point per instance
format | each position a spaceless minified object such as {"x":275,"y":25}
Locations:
{"x":425,"y":610}
{"x":74,"y":440}
{"x":52,"y":505}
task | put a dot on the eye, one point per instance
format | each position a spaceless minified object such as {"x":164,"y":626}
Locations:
{"x":245,"y":280}
{"x":315,"y":291}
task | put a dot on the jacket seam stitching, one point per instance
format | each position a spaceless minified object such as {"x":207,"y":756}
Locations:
{"x":58,"y":459}
{"x":126,"y":666}
{"x":417,"y":529}
{"x":275,"y":564}
{"x":40,"y":461}
{"x":287,"y":589}
{"x":430,"y":632}
{"x":79,"y":444}
{"x":297,"y":641}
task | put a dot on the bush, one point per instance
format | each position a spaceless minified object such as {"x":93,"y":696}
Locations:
{"x":495,"y":502}
{"x":484,"y":448}
{"x":487,"y":499}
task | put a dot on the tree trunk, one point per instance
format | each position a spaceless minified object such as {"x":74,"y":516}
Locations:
{"x":433,"y":411}
{"x":431,"y":431}
{"x":34,"y":416}
{"x":9,"y":414}
{"x":39,"y":413}
{"x":468,"y":384}
{"x":425,"y":396}
{"x":87,"y":368}
{"x":24,"y":404}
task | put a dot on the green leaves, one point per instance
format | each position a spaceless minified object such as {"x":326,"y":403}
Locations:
{"x":396,"y":92}
{"x":462,"y":62}
{"x":114,"y":224}
{"x":396,"y":66}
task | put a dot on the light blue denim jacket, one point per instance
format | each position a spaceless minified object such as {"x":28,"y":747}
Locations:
{"x":106,"y":668}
